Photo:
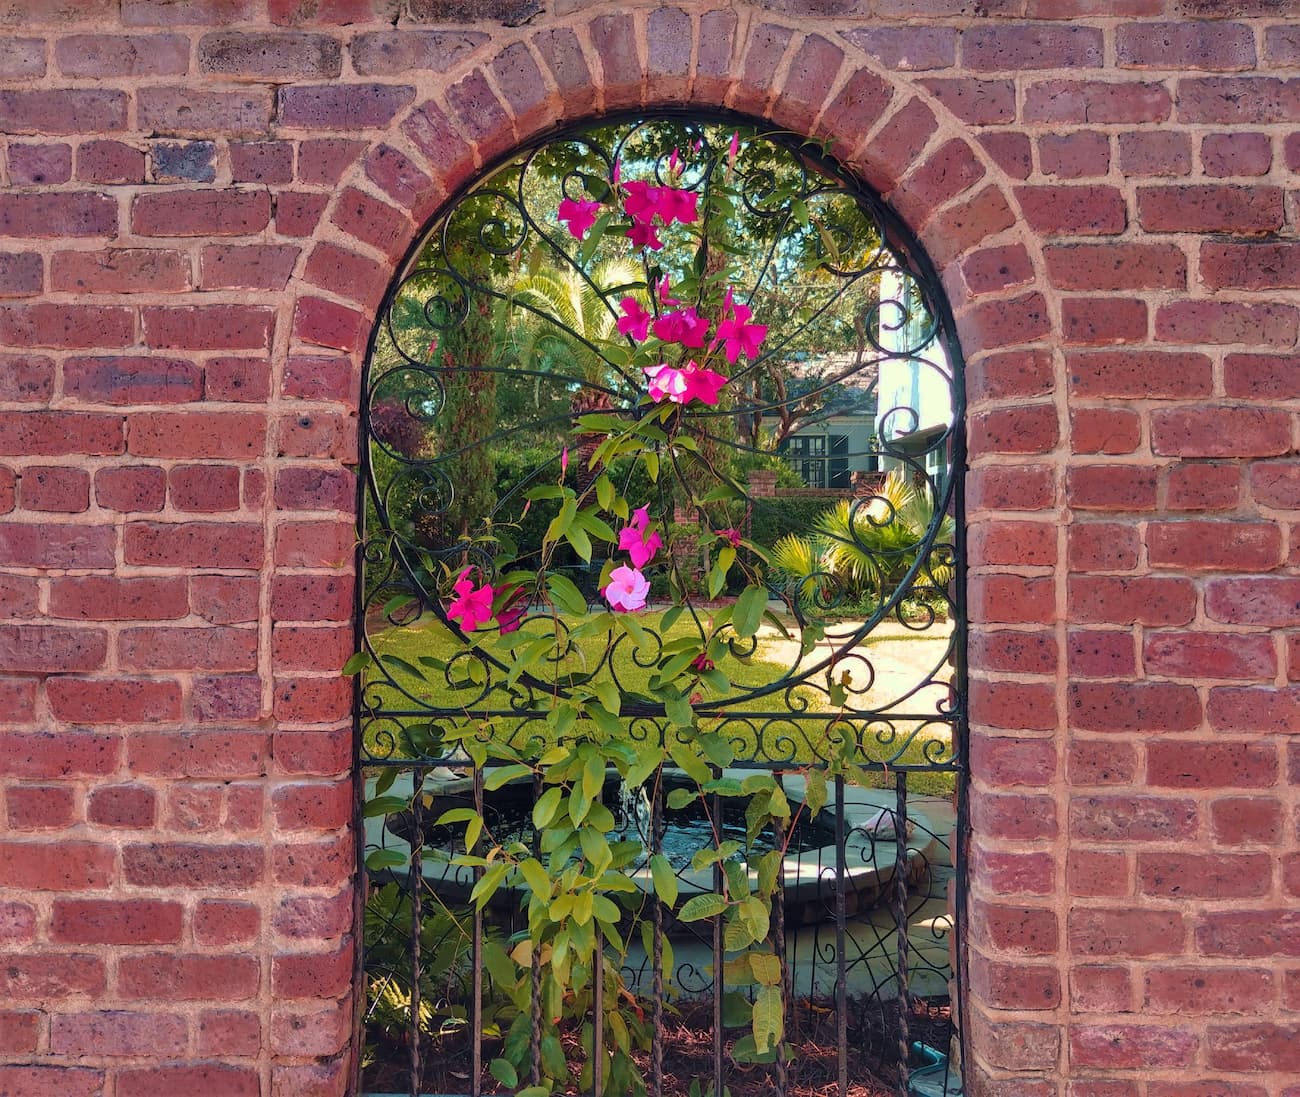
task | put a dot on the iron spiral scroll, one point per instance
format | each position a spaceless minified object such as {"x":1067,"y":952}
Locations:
{"x":500,"y":304}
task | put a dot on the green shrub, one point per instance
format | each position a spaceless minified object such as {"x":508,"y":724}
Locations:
{"x":775,"y":518}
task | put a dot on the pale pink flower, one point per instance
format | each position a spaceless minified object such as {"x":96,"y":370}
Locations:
{"x":635,"y":320}
{"x":634,"y":540}
{"x":684,"y":384}
{"x":579,"y":213}
{"x":627,"y":589}
{"x":472,"y":606}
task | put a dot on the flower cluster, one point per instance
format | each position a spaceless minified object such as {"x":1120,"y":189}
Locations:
{"x":628,"y":588}
{"x":472,"y":606}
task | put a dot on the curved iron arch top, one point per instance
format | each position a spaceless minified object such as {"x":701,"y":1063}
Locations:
{"x":497,"y":355}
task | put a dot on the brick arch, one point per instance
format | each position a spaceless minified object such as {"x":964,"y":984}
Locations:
{"x":955,"y":192}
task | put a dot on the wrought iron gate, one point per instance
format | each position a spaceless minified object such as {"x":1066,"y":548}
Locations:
{"x":784,"y":313}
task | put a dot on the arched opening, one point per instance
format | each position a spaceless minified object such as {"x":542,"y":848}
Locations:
{"x":662,"y":703}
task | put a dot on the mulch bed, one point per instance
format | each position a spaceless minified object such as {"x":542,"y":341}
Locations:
{"x":688,"y":1055}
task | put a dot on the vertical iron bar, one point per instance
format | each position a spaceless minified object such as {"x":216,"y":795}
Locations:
{"x":476,"y":956}
{"x":719,"y":984}
{"x":900,"y":927}
{"x":780,"y":1069}
{"x":841,"y":965}
{"x":657,"y":947}
{"x":415,"y":880}
{"x":598,"y":1015}
{"x":535,"y":964}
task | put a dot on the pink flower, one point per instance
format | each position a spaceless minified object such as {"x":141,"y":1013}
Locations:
{"x":564,"y":461}
{"x":579,"y":213}
{"x":681,"y":386}
{"x":513,"y":603}
{"x":642,"y":201}
{"x":632,"y":539}
{"x":643,"y":235}
{"x":672,"y":162}
{"x":666,"y":383}
{"x":737,"y":336}
{"x":732,"y":535}
{"x":686,"y":326}
{"x":471,"y":607}
{"x":678,"y":205}
{"x":735,"y":148}
{"x":627,"y":589}
{"x":635,"y":320}
{"x":701,"y":663}
{"x":664,"y":289}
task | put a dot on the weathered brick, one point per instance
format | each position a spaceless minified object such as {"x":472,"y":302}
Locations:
{"x":194,"y":544}
{"x":1111,"y":487}
{"x":1097,"y":102}
{"x":1211,"y":765}
{"x":109,"y":162}
{"x":1073,"y":211}
{"x":1201,"y":485}
{"x":193,"y":865}
{"x":1080,"y":155}
{"x":1155,"y":152}
{"x":62,"y":111}
{"x":1033,"y":46}
{"x":1029,"y":429}
{"x":976,"y":102}
{"x":1125,"y":932}
{"x":188,"y":111}
{"x":80,"y":866}
{"x":96,"y":55}
{"x":271,"y":56}
{"x":54,"y":488}
{"x":1217,"y":545}
{"x":1133,"y":706}
{"x":1224,"y":208}
{"x":209,"y":327}
{"x":1217,"y":46}
{"x":1200,"y":655}
{"x":342,"y":106}
{"x":1252,"y":100}
{"x":1246,"y":154}
{"x":1104,"y":430}
{"x":1220,"y":432}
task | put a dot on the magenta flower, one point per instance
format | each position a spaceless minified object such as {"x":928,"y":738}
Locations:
{"x":472,"y":606}
{"x":627,"y":589}
{"x":686,"y":326}
{"x":664,"y":289}
{"x":737,"y":336}
{"x":633,"y":539}
{"x":643,"y":235}
{"x":642,"y":201}
{"x":579,"y":213}
{"x":564,"y":461}
{"x":735,"y":148}
{"x":635,"y":320}
{"x":513,"y":605}
{"x":732,"y":535}
{"x":702,"y":384}
{"x":678,"y":205}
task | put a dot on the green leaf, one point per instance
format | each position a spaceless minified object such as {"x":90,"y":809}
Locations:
{"x":385,"y":781}
{"x":536,"y":877}
{"x":736,"y":1009}
{"x":748,"y":614}
{"x":502,"y":775}
{"x":357,"y":663}
{"x":686,"y":759}
{"x":609,"y":697}
{"x":384,"y":858}
{"x":605,"y":910}
{"x":534,"y":1091}
{"x":665,"y":881}
{"x":504,"y":1072}
{"x":769,"y":1018}
{"x":679,"y":798}
{"x":563,"y":521}
{"x":679,"y":711}
{"x":604,"y":719}
{"x":577,"y":537}
{"x":565,"y":594}
{"x":651,"y":461}
{"x":546,"y":807}
{"x":604,"y":491}
{"x":702,"y":906}
{"x":385,"y":805}
{"x":756,"y":917}
{"x":766,"y":968}
{"x":815,"y":792}
{"x":487,"y":885}
{"x":593,"y":776}
{"x":500,"y":968}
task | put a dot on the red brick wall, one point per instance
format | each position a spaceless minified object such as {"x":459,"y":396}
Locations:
{"x":204,"y":202}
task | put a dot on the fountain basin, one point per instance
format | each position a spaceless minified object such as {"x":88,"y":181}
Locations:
{"x":808,"y":870}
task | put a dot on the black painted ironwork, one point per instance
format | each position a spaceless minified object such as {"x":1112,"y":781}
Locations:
{"x":859,"y":334}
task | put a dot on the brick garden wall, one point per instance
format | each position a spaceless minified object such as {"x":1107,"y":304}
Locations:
{"x":205,"y":200}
